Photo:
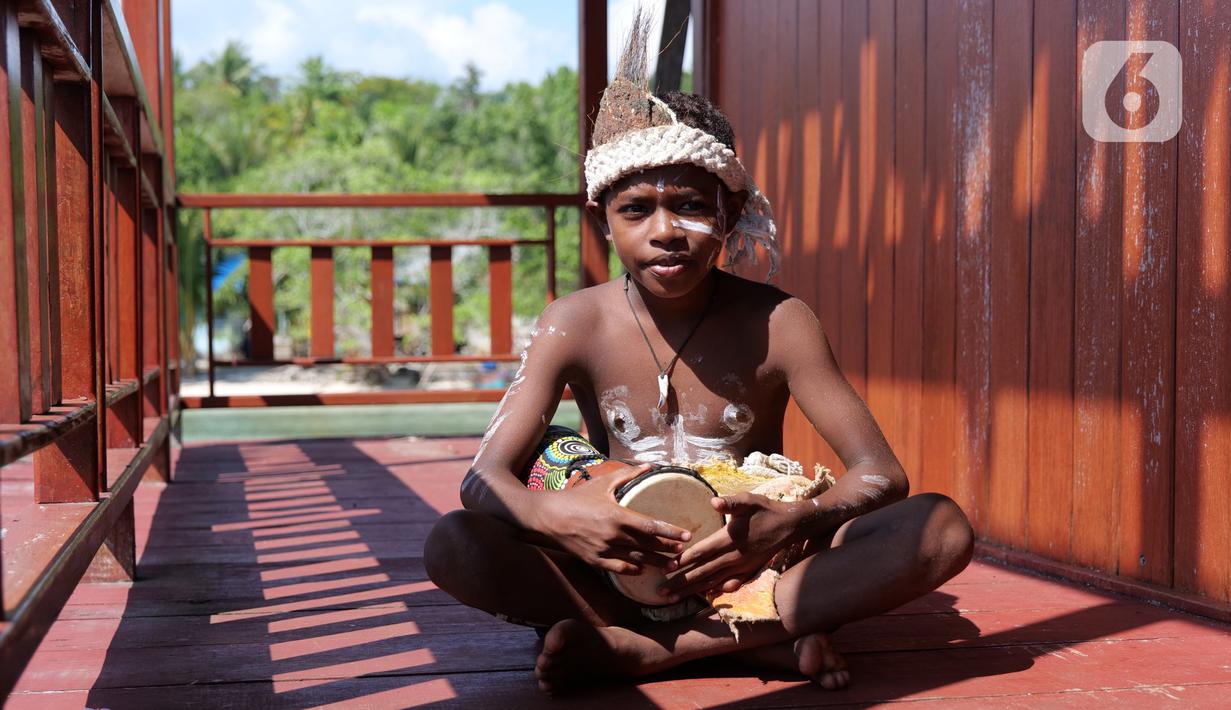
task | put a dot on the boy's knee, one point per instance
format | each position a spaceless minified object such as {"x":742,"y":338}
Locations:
{"x":948,"y":540}
{"x":451,"y":540}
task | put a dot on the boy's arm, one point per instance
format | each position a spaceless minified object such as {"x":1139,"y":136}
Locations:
{"x":760,"y":527}
{"x":585,"y":520}
{"x":874,"y":477}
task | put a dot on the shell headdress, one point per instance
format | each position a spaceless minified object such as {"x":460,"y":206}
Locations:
{"x":636,"y":131}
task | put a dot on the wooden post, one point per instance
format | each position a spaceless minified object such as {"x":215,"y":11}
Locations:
{"x":592,"y":79}
{"x":209,"y":298}
{"x":500,"y":303}
{"x":11,"y":223}
{"x":17,"y":208}
{"x":440,"y":281}
{"x":67,"y":470}
{"x":382,"y":301}
{"x":551,"y":254}
{"x":260,"y":303}
{"x":322,"y":302}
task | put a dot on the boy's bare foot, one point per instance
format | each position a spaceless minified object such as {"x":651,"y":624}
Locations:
{"x":813,"y":656}
{"x":574,"y":652}
{"x":821,"y":662}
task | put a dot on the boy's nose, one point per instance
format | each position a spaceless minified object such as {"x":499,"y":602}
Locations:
{"x":664,"y":232}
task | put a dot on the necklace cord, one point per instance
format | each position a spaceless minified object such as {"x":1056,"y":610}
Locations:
{"x":666,"y":370}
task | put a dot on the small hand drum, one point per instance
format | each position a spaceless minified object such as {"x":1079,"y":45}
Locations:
{"x":675,"y":495}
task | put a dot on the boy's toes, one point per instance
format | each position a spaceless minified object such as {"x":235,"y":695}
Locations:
{"x":819,"y":661}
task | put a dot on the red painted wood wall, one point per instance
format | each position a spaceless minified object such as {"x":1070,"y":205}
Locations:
{"x":1040,"y":322}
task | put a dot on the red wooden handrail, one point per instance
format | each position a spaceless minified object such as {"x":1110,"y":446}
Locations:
{"x":440,"y":277}
{"x":392,"y":199}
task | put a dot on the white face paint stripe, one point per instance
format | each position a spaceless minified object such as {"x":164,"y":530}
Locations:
{"x":693,"y":226}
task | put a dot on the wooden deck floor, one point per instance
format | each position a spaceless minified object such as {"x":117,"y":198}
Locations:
{"x":289,"y":574}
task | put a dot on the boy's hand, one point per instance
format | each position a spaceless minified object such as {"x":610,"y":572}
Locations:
{"x":759,"y":527}
{"x":587,"y":522}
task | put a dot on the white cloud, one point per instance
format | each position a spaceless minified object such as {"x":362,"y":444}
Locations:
{"x":432,"y":40}
{"x":500,"y":41}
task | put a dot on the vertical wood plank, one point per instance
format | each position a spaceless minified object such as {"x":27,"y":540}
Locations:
{"x":261,"y":303}
{"x":1010,"y":259}
{"x":878,"y":184}
{"x":440,"y":284}
{"x":807,"y":445}
{"x":1096,"y":312}
{"x":382,"y":301}
{"x":1203,"y":307}
{"x":972,"y":349}
{"x":852,"y":236}
{"x":11,"y":226}
{"x":939,"y":249}
{"x":832,"y":155}
{"x":1050,"y":495}
{"x":500,"y":303}
{"x":322,"y":302}
{"x":1147,"y":373}
{"x":910,"y":212}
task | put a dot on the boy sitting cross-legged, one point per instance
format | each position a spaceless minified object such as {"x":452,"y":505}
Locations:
{"x":680,"y":361}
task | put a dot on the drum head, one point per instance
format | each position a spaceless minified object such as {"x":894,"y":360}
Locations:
{"x":673,"y":495}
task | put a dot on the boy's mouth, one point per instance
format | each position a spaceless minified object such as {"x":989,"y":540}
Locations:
{"x":669,"y":265}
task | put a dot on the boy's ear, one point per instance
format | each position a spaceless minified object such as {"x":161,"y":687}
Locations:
{"x":600,"y":216}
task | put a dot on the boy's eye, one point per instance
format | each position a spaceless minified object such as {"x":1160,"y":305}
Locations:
{"x":633,"y":209}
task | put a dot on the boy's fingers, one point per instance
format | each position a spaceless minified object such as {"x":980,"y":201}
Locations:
{"x":737,"y":504}
{"x":701,"y":552}
{"x":619,"y":566}
{"x":642,"y":557}
{"x":647,"y":526}
{"x":618,"y":479}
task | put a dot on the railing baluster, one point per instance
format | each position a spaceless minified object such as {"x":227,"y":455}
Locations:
{"x":382,"y":301}
{"x":48,"y":204}
{"x":551,"y":253}
{"x":441,"y":299}
{"x":66,"y":470}
{"x":322,"y":302}
{"x":209,"y":298}
{"x":12,"y":300}
{"x":36,"y":222}
{"x":500,"y":300}
{"x":260,"y":303}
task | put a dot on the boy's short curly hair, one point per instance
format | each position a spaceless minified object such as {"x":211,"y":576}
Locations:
{"x":700,"y":113}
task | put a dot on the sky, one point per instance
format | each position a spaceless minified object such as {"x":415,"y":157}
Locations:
{"x":508,"y":40}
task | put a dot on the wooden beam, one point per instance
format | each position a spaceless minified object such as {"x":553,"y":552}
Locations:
{"x":671,"y":42}
{"x":592,"y":79}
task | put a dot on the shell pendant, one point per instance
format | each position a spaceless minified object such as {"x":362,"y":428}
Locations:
{"x":662,"y":390}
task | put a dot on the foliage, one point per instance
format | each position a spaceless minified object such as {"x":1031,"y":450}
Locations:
{"x":239,"y":130}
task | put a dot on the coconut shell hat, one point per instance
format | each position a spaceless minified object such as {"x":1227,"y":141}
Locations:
{"x":635,"y":130}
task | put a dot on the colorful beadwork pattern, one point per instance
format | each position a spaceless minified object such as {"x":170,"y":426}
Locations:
{"x":560,"y":452}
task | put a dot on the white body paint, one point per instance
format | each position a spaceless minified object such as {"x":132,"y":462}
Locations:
{"x":678,"y":445}
{"x":875,"y":480}
{"x":692,"y":225}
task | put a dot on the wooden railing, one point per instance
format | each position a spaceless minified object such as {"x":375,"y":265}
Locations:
{"x":260,"y":291}
{"x":87,"y":299}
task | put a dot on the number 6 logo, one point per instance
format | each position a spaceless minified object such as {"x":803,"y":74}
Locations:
{"x":1145,"y":106}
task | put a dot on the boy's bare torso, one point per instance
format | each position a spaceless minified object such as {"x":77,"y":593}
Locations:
{"x":727,"y":394}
